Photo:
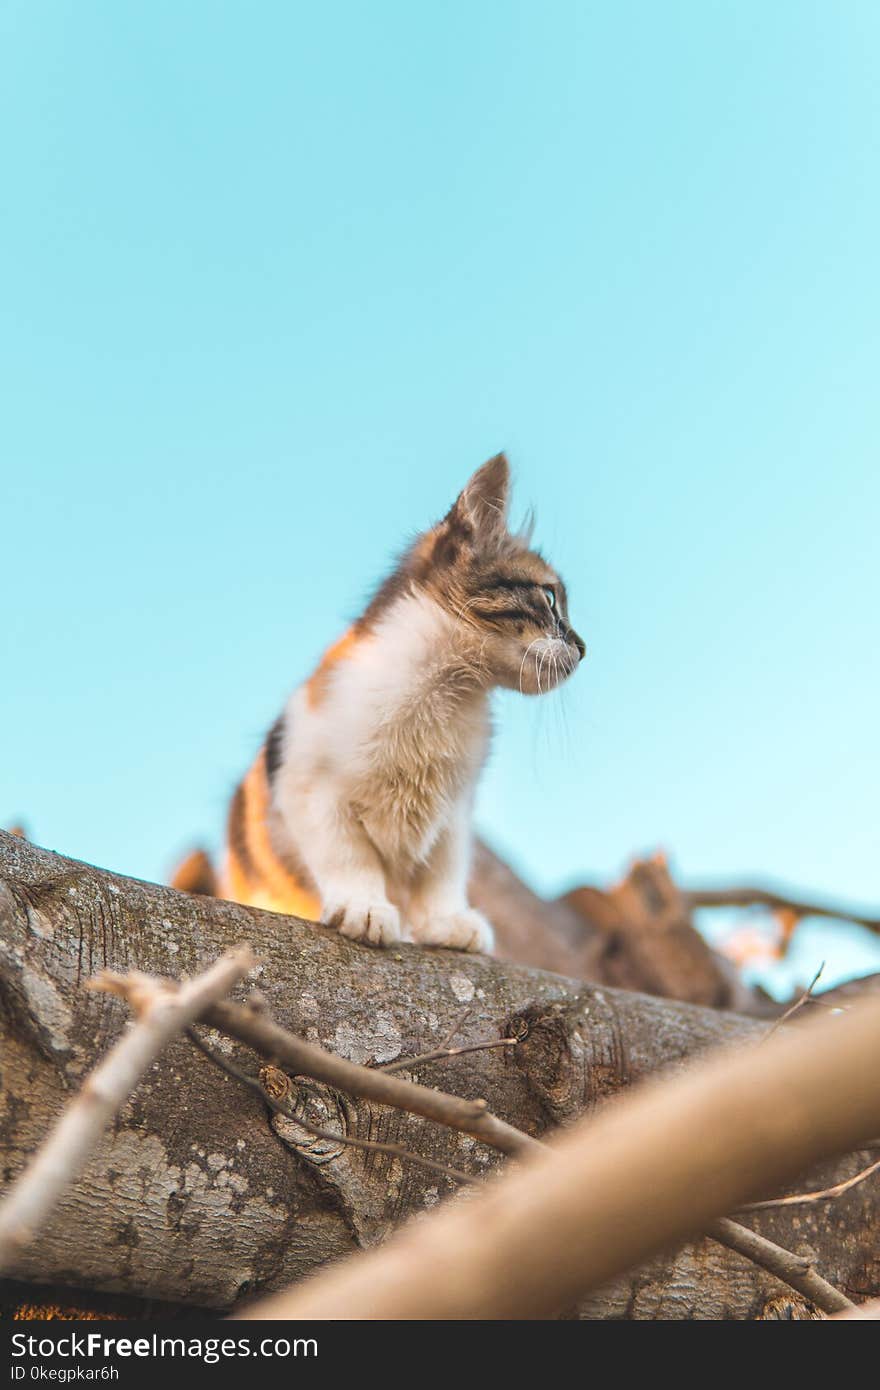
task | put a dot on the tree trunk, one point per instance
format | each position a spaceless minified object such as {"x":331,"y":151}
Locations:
{"x":198,"y":1196}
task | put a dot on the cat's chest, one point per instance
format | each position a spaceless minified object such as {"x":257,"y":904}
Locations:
{"x":414,"y":773}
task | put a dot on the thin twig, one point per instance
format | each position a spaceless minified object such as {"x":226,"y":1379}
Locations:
{"x":798,"y":1004}
{"x":794,"y":1270}
{"x":800,"y":1198}
{"x":441,"y":1053}
{"x":458,"y":1025}
{"x":765,"y":897}
{"x":162,"y":1009}
{"x":307,"y":1059}
{"x":284,"y":1108}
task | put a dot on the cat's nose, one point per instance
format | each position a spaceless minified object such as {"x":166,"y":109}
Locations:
{"x":572,"y":637}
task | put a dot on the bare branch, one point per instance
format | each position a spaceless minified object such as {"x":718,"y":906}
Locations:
{"x":798,"y":1003}
{"x":800,"y":1198}
{"x":794,"y":1270}
{"x":457,"y":1025}
{"x":765,"y":897}
{"x":163,"y":1010}
{"x":274,"y":1087}
{"x":441,"y":1053}
{"x":307,"y":1059}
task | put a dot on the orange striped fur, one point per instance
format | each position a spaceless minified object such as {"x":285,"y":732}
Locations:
{"x":254,"y":872}
{"x":316,"y":686}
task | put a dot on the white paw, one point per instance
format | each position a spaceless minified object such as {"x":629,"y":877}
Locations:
{"x":467,"y":930}
{"x":360,"y":920}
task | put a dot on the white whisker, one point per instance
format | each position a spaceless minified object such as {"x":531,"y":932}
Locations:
{"x":523,"y":662}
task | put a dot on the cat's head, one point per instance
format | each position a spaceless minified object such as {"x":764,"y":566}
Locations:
{"x":508,"y":604}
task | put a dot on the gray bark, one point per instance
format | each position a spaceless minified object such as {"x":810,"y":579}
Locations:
{"x":198,"y":1196}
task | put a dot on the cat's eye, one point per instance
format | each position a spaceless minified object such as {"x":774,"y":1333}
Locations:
{"x":550,"y":595}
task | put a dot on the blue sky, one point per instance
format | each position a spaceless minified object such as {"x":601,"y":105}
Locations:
{"x":277,"y":277}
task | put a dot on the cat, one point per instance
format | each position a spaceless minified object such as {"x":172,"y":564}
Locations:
{"x":357,"y":810}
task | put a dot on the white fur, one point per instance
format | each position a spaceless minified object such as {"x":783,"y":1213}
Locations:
{"x":375,"y":788}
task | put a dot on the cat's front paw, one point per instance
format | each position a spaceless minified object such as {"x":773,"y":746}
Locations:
{"x":360,"y":920}
{"x":467,"y":930}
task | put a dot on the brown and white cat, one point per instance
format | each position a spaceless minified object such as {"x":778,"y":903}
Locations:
{"x":357,"y":810}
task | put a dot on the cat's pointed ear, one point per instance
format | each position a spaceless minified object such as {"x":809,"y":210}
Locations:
{"x":483,"y":502}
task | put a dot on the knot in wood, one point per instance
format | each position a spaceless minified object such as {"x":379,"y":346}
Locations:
{"x":519,"y":1028}
{"x":322,"y":1107}
{"x":276,"y":1083}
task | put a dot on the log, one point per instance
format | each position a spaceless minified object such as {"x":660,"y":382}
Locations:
{"x":199,"y":1196}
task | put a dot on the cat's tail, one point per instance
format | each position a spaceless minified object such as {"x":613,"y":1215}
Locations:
{"x":196,"y":874}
